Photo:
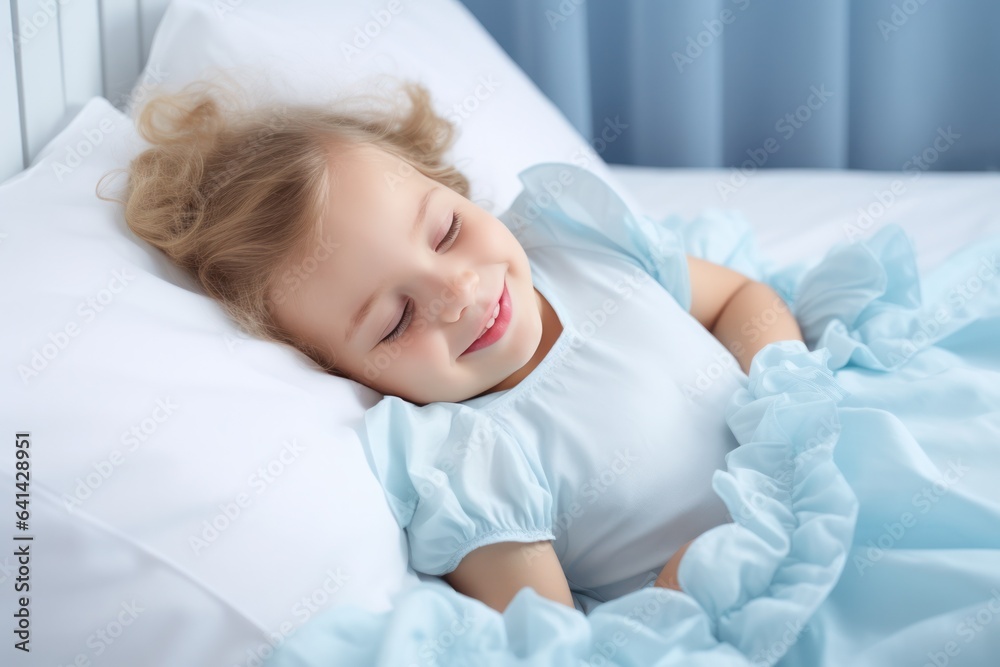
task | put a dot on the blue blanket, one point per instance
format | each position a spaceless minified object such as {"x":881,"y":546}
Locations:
{"x":865,"y":495}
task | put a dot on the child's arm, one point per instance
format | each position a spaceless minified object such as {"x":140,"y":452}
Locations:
{"x":495,"y":573}
{"x":744,"y":314}
{"x":668,"y":575}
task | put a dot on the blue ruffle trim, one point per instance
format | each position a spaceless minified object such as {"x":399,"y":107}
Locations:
{"x":863,"y":302}
{"x":793,"y":512}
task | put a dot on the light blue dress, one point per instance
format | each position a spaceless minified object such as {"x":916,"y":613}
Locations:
{"x":608,"y":446}
{"x":860,"y":517}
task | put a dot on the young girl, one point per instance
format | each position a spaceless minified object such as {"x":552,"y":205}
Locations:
{"x":543,"y":422}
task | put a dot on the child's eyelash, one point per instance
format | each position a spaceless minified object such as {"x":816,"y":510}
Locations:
{"x":403,"y":322}
{"x":456,"y":226}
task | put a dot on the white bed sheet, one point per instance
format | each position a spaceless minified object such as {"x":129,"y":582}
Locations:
{"x":799,"y":214}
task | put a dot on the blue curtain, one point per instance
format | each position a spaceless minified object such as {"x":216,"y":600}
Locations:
{"x":861,"y":84}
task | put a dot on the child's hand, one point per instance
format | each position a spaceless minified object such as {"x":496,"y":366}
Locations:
{"x":668,"y":575}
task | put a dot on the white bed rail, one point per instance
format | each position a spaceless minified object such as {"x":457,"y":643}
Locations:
{"x":57,"y":54}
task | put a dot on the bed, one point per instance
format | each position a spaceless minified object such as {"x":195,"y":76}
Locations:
{"x":195,"y":493}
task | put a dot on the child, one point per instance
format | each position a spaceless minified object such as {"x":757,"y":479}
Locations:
{"x":534,"y":430}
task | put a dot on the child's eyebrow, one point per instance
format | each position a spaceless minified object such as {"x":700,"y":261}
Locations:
{"x":370,"y":301}
{"x":421,"y":213}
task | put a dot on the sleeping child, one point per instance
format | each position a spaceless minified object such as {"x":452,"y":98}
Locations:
{"x":554,"y":379}
{"x":567,"y":405}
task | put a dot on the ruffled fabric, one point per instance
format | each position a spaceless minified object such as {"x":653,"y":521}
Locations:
{"x":793,"y":511}
{"x":598,"y":215}
{"x":446,"y":471}
{"x":433,"y":625}
{"x":863,"y":301}
{"x":748,"y":582}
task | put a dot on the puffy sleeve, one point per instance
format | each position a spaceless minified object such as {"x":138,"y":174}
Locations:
{"x":456,"y":480}
{"x":565,"y":204}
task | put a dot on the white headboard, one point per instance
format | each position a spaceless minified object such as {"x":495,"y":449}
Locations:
{"x":57,"y":54}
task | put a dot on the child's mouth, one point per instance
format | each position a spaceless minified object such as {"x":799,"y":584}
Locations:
{"x":496,"y":331}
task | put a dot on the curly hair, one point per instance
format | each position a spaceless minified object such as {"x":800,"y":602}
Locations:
{"x":231,"y":191}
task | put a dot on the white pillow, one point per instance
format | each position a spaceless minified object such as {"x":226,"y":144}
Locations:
{"x":199,"y":486}
{"x":318,"y":50}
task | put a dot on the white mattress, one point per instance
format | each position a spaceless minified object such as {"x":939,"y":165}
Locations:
{"x":800,"y":214}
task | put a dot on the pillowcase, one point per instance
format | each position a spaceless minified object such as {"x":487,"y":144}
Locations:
{"x":316,"y":51}
{"x":183,"y":475}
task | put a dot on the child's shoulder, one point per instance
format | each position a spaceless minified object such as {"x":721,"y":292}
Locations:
{"x":568,"y":206}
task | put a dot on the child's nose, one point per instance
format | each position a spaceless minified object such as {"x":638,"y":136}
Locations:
{"x":461,"y":294}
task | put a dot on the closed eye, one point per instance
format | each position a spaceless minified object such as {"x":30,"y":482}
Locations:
{"x":446,"y":243}
{"x":456,"y":226}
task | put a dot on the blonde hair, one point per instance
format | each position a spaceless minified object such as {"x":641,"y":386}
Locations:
{"x":232,"y":193}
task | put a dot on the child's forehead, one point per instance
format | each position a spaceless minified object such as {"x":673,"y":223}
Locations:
{"x":367,"y":183}
{"x":368,"y":176}
{"x":355,"y":158}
